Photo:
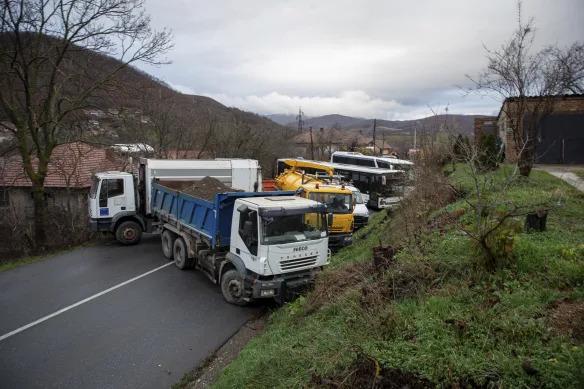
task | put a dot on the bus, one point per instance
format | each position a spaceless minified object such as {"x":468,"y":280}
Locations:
{"x":358,"y":159}
{"x":381,"y":188}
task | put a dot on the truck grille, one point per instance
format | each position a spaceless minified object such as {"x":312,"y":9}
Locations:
{"x":360,"y":221}
{"x":296,"y":263}
{"x":335,"y":229}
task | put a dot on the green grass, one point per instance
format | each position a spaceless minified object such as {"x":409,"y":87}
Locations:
{"x":435,"y":312}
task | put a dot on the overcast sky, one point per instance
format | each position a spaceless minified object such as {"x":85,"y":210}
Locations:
{"x":390,"y":59}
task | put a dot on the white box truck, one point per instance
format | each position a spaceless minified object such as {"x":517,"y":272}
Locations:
{"x":119,"y":202}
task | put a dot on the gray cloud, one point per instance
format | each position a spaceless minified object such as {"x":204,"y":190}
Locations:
{"x":389,"y":59}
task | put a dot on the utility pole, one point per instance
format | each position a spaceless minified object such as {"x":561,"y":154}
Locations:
{"x":300,"y":119}
{"x":374,"y":127}
{"x":311,"y":145}
{"x":415,"y":133}
{"x":382,"y":142}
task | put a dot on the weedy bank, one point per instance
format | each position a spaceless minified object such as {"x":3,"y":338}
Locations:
{"x":433,"y":309}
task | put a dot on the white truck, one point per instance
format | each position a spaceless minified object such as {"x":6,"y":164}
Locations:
{"x":119,"y":202}
{"x":360,"y":211}
{"x":254,"y":245}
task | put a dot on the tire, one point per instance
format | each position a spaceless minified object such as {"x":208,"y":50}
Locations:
{"x":179,"y":251}
{"x":232,"y":287}
{"x":129,"y":233}
{"x":167,"y":239}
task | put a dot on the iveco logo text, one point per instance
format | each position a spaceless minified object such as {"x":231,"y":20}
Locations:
{"x":302,"y":248}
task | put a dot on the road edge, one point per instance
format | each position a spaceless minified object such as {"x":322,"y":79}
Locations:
{"x":206,"y":373}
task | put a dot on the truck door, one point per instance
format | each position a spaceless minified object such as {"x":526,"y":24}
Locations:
{"x":248,"y":233}
{"x":112,"y":199}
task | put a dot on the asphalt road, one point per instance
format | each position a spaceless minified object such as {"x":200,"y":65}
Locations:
{"x":144,"y":334}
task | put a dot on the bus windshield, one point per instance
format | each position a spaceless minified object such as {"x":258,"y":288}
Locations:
{"x":335,"y":202}
{"x":293,"y":228}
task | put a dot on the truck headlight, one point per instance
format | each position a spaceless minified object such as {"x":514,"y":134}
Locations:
{"x":267,"y":292}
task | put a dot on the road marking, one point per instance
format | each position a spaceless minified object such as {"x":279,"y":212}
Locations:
{"x":78,"y":303}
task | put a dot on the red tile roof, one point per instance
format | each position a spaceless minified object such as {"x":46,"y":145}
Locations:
{"x":72,"y":165}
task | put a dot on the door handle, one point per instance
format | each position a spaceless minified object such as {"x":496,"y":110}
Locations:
{"x":123,"y":208}
{"x":237,"y":251}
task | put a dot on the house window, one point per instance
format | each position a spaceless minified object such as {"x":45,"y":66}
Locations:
{"x":4,"y":199}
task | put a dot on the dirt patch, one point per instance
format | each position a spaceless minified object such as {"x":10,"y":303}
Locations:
{"x":205,"y":189}
{"x":330,"y":285}
{"x":380,"y":280}
{"x":567,"y":318}
{"x":366,"y":372}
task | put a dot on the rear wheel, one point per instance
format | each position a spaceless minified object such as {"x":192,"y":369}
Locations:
{"x":129,"y":232}
{"x":180,"y":253}
{"x":232,"y":287}
{"x":168,"y":237}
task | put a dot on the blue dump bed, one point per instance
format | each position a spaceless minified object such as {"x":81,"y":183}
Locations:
{"x":211,"y":219}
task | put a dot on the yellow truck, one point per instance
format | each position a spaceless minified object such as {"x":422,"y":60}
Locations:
{"x":338,"y":198}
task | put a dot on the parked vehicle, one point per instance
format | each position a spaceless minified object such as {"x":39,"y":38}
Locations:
{"x":338,"y":198}
{"x":360,"y":211}
{"x":119,"y":202}
{"x":359,"y":159}
{"x":325,"y":171}
{"x":381,"y":187}
{"x":254,"y":245}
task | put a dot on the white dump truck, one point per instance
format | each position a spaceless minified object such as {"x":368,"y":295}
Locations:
{"x":119,"y":202}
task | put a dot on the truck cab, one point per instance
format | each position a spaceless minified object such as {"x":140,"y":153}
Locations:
{"x":360,"y":211}
{"x":278,"y":235}
{"x":337,"y":197}
{"x":112,"y":206}
{"x":340,"y":203}
{"x":281,"y":242}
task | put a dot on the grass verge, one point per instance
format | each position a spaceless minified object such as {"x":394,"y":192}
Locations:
{"x":434,"y":316}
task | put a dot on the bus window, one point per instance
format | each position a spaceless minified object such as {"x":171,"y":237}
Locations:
{"x":383,"y":164}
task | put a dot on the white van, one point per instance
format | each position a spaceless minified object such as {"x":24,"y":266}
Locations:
{"x":360,"y":211}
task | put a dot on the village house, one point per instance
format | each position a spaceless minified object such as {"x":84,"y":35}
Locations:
{"x":67,"y":184}
{"x":560,"y":128}
{"x":485,"y":125}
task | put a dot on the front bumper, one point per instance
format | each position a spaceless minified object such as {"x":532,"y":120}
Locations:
{"x":360,"y":221}
{"x":96,"y":225}
{"x":283,"y":286}
{"x":337,"y":241}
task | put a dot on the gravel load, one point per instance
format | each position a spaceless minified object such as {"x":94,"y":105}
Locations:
{"x":205,"y":189}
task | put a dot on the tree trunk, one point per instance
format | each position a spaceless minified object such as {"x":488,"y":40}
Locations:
{"x":526,"y":158}
{"x":40,"y":216}
{"x":490,"y":260}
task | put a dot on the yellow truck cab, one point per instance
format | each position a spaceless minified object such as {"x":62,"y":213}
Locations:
{"x":338,"y":198}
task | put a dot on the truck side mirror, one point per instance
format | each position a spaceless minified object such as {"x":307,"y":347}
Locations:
{"x":329,"y":219}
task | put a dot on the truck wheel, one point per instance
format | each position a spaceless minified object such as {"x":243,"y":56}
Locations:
{"x":168,"y":238}
{"x":180,"y":253}
{"x":129,"y":232}
{"x":232,"y":287}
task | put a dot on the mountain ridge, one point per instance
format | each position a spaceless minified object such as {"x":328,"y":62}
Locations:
{"x":461,"y":123}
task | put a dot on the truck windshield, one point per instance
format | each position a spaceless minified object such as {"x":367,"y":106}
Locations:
{"x":293,"y":228}
{"x":94,"y":186}
{"x":335,"y":202}
{"x":358,"y":197}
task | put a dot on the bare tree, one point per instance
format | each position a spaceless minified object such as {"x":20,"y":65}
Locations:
{"x":516,"y":72}
{"x":50,"y":57}
{"x":493,"y":222}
